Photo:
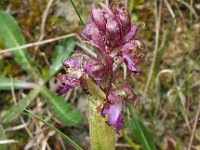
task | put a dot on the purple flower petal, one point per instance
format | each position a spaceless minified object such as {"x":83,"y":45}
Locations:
{"x":128,"y":47}
{"x":131,"y":64}
{"x":132,"y":55}
{"x":113,"y":32}
{"x":124,"y":19}
{"x":76,"y":62}
{"x":115,"y":116}
{"x":98,"y":18}
{"x":63,"y":89}
{"x":108,"y":11}
{"x":97,"y":71}
{"x":92,"y":34}
{"x":67,"y":83}
{"x":129,"y":36}
{"x":114,"y":111}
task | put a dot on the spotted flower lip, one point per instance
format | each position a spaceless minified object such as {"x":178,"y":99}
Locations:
{"x":113,"y":107}
{"x":114,"y":111}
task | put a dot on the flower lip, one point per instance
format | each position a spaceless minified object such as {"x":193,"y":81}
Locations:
{"x":115,"y":116}
{"x":113,"y":106}
{"x":66,"y":83}
{"x":114,"y":111}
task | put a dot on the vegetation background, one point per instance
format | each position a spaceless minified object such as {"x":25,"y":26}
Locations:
{"x":167,"y":114}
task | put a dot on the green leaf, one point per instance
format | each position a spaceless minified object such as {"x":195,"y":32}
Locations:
{"x":11,"y":36}
{"x":7,"y":83}
{"x":140,"y":132}
{"x":16,"y":110}
{"x":76,"y":146}
{"x":62,"y":111}
{"x":2,"y":137}
{"x":63,"y":51}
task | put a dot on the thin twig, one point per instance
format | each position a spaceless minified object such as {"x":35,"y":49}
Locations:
{"x":26,"y":127}
{"x":45,"y":58}
{"x":19,"y":127}
{"x":122,"y":145}
{"x":45,"y":141}
{"x":87,"y":50}
{"x":25,"y":85}
{"x":37,"y":43}
{"x":163,"y":42}
{"x":170,"y":9}
{"x":44,"y":18}
{"x":42,"y":29}
{"x":194,"y":127}
{"x":62,"y":143}
{"x":7,"y":141}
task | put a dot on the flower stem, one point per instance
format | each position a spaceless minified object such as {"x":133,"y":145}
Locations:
{"x":102,"y":136}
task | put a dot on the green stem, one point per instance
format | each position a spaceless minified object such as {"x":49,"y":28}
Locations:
{"x":102,"y":136}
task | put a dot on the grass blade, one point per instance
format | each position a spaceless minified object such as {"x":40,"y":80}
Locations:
{"x":62,"y":111}
{"x":140,"y":132}
{"x":16,"y":110}
{"x":11,"y":36}
{"x":2,"y":137}
{"x":7,"y":83}
{"x":79,"y":16}
{"x":76,"y":146}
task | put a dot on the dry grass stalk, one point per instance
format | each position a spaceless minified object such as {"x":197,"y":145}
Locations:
{"x":37,"y":43}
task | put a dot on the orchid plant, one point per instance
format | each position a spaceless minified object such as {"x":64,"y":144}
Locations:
{"x":110,"y":31}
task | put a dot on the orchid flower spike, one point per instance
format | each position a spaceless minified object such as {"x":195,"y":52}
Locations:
{"x":111,"y":32}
